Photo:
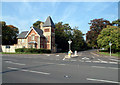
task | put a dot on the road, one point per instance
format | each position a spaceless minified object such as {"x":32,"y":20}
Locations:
{"x":88,"y":67}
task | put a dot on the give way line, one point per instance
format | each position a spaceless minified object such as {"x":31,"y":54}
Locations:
{"x":29,"y":71}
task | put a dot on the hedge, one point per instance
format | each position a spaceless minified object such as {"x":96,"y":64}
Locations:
{"x":32,"y":50}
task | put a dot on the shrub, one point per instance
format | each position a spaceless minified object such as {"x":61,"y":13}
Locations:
{"x":32,"y":50}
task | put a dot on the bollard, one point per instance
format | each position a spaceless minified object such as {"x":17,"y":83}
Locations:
{"x":75,"y":53}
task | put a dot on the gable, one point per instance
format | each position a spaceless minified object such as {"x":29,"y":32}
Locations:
{"x":32,"y":32}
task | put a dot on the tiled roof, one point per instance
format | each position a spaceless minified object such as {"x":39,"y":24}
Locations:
{"x":39,"y":31}
{"x":22,"y":34}
{"x":48,"y":22}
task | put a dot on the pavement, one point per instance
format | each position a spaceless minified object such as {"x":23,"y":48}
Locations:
{"x":88,"y":67}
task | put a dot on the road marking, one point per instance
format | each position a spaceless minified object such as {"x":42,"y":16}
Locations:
{"x":98,"y":67}
{"x":113,"y":62}
{"x":47,"y":55}
{"x":57,"y":55}
{"x":103,"y":61}
{"x":29,"y":71}
{"x":85,"y":58}
{"x":62,"y":64}
{"x":94,"y":54}
{"x":14,"y":63}
{"x":50,"y":63}
{"x":73,"y":60}
{"x":96,"y":61}
{"x":105,"y":67}
{"x":13,"y":68}
{"x":87,"y":61}
{"x":102,"y":80}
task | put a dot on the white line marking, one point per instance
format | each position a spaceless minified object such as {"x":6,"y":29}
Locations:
{"x":105,"y":67}
{"x":62,"y":64}
{"x":87,"y":61}
{"x":73,"y":60}
{"x":96,"y":61}
{"x":50,"y":63}
{"x":85,"y":58}
{"x":29,"y":71}
{"x":13,"y":68}
{"x":102,"y":80}
{"x":57,"y":55}
{"x":15,"y":63}
{"x":94,"y":54}
{"x":113,"y":62}
{"x":98,"y":67}
{"x":104,"y":62}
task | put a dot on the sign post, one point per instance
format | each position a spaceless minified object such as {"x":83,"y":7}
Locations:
{"x":110,"y":47}
{"x":69,"y":44}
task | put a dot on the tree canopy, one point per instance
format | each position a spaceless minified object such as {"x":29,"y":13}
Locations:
{"x":64,"y":32}
{"x":96,"y":25}
{"x":9,"y":34}
{"x":37,"y":24}
{"x":109,"y":34}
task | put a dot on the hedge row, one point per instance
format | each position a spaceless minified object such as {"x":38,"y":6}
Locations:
{"x":32,"y":50}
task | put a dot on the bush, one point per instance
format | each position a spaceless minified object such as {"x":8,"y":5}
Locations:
{"x":32,"y":50}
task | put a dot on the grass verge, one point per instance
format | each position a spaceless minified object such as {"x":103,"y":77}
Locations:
{"x":113,"y":54}
{"x":23,"y":53}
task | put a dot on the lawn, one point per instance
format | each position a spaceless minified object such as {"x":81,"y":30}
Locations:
{"x":113,"y":54}
{"x":22,"y":53}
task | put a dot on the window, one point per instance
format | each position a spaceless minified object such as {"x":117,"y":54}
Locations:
{"x":22,"y":40}
{"x":33,"y":37}
{"x":46,"y":30}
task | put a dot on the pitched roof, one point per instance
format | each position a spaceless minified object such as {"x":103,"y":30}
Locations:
{"x":22,"y":34}
{"x":48,"y":22}
{"x":39,"y":31}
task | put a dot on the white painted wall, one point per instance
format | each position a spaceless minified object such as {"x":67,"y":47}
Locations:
{"x":11,"y":49}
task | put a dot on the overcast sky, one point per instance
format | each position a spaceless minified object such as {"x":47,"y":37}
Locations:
{"x":24,"y":14}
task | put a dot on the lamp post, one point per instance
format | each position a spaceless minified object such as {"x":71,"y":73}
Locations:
{"x":110,"y":47}
{"x":69,"y":44}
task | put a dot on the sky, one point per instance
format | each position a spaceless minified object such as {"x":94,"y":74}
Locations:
{"x":24,"y":14}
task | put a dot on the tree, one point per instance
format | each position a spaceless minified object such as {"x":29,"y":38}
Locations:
{"x":96,"y":26}
{"x":37,"y":24}
{"x":78,"y":40}
{"x":9,"y":34}
{"x":64,"y":32}
{"x":109,"y":34}
{"x":116,"y":23}
{"x":62,"y":35}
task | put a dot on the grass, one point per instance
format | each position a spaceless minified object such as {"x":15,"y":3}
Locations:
{"x":22,"y":53}
{"x":113,"y":54}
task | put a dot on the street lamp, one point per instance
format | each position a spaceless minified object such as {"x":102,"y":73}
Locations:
{"x":110,"y":47}
{"x":69,"y":44}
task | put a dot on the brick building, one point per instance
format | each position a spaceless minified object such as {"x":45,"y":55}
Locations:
{"x":41,"y":37}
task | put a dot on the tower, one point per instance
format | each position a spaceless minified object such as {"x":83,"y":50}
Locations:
{"x":49,"y":33}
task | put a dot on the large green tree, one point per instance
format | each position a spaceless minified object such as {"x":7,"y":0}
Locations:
{"x":37,"y":24}
{"x":109,"y":34}
{"x":96,"y":25}
{"x":64,"y":32}
{"x":62,"y":35}
{"x":9,"y":34}
{"x":78,"y":40}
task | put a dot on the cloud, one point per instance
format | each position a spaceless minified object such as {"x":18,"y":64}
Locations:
{"x":70,"y":10}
